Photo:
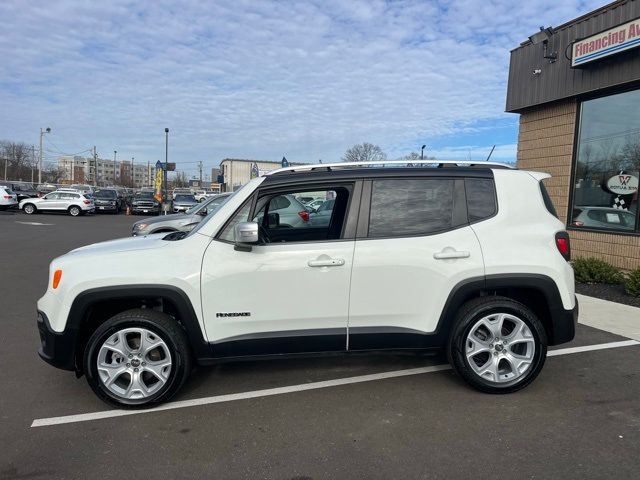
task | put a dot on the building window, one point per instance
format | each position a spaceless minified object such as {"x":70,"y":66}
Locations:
{"x":605,"y":187}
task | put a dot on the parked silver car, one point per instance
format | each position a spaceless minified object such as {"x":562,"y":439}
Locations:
{"x":182,"y":202}
{"x":603,"y":217}
{"x":179,"y":222}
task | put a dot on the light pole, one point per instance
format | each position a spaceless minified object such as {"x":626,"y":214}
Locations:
{"x":422,"y":152}
{"x":133,"y":182}
{"x":166,"y":162}
{"x":115,"y":153}
{"x":42,"y":132}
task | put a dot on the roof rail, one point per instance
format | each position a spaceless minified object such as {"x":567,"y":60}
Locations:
{"x":436,"y":163}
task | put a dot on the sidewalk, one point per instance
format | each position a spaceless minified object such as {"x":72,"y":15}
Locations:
{"x":610,"y":316}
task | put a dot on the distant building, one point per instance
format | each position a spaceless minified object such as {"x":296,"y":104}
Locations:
{"x":236,"y":172}
{"x":104,"y":172}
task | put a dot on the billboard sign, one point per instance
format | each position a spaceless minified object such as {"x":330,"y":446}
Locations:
{"x":603,"y":44}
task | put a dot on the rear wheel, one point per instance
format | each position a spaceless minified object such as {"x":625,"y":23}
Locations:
{"x":137,"y":359}
{"x":74,"y":211}
{"x":29,"y":209}
{"x":497,"y":345}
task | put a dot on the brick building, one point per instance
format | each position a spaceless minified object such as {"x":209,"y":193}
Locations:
{"x":576,"y":88}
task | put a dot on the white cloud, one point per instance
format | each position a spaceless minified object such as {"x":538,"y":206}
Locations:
{"x":259,"y":79}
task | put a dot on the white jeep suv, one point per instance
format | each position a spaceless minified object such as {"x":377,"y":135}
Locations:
{"x":464,"y":257}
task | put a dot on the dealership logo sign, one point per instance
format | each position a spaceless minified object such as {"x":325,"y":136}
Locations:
{"x":609,"y":42}
{"x":622,"y":184}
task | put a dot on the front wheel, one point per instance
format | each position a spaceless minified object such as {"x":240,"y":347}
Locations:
{"x":29,"y":209}
{"x":137,"y":359}
{"x":497,"y":345}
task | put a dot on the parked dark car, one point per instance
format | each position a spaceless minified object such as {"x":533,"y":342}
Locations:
{"x":107,"y":200}
{"x":145,"y":202}
{"x":22,"y":189}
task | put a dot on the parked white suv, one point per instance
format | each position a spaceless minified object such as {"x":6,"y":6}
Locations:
{"x":64,"y":200}
{"x":465,"y":257}
{"x":8,"y":198}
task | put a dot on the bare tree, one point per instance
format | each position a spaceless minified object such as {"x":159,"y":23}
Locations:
{"x":17,"y":160}
{"x":364,"y":152}
{"x":415,"y":156}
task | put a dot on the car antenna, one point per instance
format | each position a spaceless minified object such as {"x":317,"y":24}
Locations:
{"x":491,"y":152}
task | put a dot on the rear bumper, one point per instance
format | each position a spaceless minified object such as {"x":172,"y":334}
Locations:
{"x":563,"y":324}
{"x":57,"y":349}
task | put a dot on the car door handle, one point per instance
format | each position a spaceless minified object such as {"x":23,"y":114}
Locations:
{"x":449,"y":253}
{"x":326,"y":262}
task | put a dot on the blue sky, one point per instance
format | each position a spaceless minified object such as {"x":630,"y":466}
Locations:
{"x":259,"y":79}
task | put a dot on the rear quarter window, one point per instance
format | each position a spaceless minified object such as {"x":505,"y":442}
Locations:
{"x":547,"y":200}
{"x":481,"y":199}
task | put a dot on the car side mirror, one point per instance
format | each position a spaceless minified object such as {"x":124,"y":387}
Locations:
{"x":203,"y":212}
{"x":246,"y":234}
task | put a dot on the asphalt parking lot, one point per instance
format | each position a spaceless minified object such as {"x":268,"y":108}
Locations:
{"x":579,"y":419}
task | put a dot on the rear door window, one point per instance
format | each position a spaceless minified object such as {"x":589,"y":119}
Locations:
{"x":412,"y":207}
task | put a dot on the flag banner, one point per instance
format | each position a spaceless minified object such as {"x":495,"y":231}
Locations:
{"x":158,"y":183}
{"x":285,"y":163}
{"x":255,"y":171}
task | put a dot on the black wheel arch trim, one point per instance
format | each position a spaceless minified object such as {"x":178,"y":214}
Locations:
{"x":559,"y":322}
{"x":186,"y":313}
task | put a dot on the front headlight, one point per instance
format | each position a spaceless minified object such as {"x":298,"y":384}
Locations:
{"x":139,"y":226}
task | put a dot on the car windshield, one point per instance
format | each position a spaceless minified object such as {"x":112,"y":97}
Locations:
{"x":144,"y":195}
{"x":184,"y":198}
{"x":105,"y":194}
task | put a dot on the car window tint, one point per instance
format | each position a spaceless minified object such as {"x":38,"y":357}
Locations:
{"x":410,"y":207}
{"x":481,"y":198}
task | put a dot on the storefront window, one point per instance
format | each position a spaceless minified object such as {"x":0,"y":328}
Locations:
{"x":605,"y":189}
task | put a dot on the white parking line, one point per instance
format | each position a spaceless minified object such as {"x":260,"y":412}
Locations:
{"x":85,"y":417}
{"x":34,"y":223}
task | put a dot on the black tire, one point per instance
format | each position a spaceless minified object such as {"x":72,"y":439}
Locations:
{"x":162,"y":326}
{"x":74,"y":211}
{"x":29,"y":208}
{"x":468,"y":316}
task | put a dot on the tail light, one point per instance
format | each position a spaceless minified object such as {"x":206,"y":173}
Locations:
{"x":86,"y":202}
{"x":8,"y":197}
{"x":564,"y":245}
{"x":304,"y":215}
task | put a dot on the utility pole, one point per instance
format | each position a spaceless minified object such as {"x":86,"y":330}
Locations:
{"x":166,"y":162}
{"x":33,"y":160}
{"x":200,"y":168}
{"x":115,"y":152}
{"x":133,"y":182}
{"x":95,"y":166}
{"x":148,"y":174}
{"x":42,"y":132}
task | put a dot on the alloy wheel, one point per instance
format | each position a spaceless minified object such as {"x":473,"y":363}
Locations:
{"x":134,"y":363}
{"x":500,"y":348}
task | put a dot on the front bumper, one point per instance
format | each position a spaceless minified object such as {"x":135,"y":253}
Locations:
{"x":181,"y":208}
{"x":106,"y":208}
{"x":57,"y":349}
{"x":145,"y":209}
